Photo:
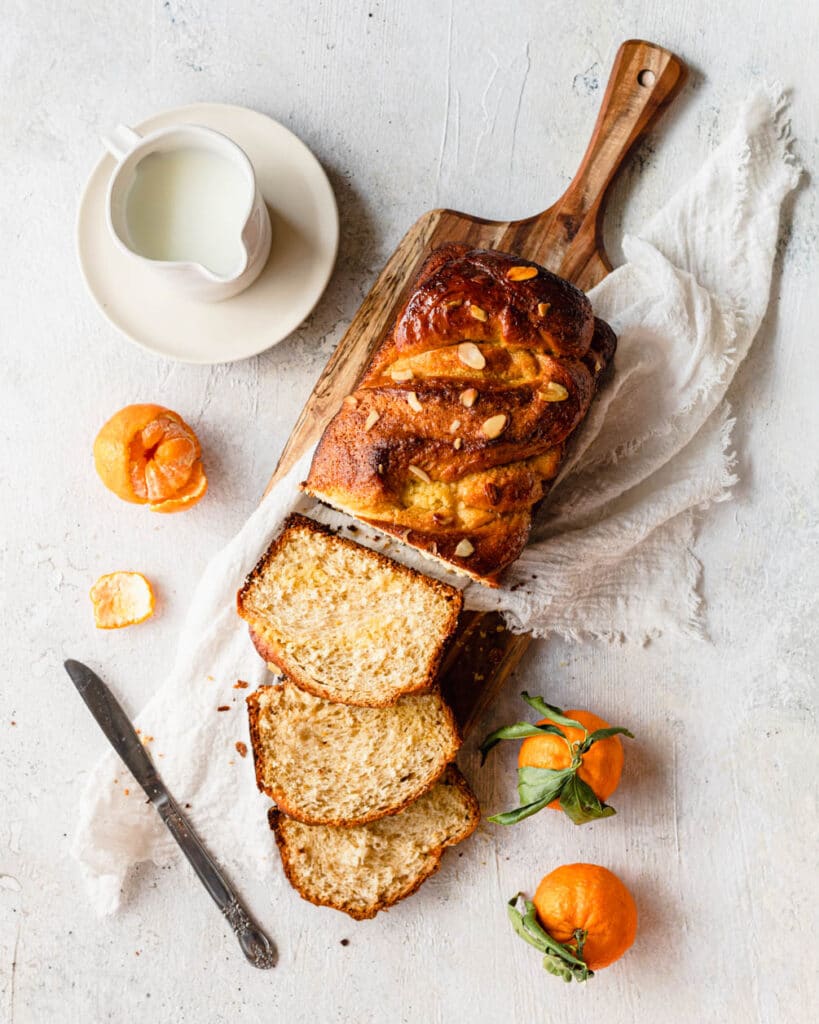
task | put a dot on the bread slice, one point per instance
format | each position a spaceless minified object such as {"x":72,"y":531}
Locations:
{"x":335,"y":764}
{"x":346,"y":623}
{"x":368,"y":868}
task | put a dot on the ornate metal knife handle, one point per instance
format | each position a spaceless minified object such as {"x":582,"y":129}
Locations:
{"x":255,"y":944}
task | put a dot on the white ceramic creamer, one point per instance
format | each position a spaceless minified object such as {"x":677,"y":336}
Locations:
{"x":184,"y":200}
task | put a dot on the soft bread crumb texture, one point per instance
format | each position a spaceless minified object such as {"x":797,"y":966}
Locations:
{"x":344,"y":622}
{"x":326,"y":762}
{"x":368,"y":868}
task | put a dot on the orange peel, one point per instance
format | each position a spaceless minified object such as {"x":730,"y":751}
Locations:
{"x":148,"y":455}
{"x":122,"y":599}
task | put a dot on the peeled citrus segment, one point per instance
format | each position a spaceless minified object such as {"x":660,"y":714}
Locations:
{"x":121,"y":599}
{"x":148,"y":455}
{"x":189,"y":495}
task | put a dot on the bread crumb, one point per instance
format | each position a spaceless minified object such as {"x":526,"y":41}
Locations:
{"x":240,"y":685}
{"x":127,"y":792}
{"x":223,"y":707}
{"x":345,"y":942}
{"x":210,"y":679}
{"x":241,"y":748}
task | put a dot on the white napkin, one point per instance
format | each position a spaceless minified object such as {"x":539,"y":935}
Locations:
{"x":611,"y":557}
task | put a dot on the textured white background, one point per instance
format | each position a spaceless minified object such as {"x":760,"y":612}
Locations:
{"x":484,"y":107}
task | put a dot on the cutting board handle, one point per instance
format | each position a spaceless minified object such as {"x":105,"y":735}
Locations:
{"x":643,"y":81}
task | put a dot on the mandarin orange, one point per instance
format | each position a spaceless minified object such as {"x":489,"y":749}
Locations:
{"x":602,"y":763}
{"x":148,"y":455}
{"x":587,"y":898}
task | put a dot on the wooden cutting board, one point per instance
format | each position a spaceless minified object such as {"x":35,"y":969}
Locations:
{"x":567,"y":239}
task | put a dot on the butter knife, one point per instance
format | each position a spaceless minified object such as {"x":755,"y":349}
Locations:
{"x":123,"y":738}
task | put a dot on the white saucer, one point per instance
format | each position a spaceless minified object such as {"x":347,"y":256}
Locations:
{"x":305,"y":240}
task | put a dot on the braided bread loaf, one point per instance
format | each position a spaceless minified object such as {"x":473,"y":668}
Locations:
{"x":461,"y":421}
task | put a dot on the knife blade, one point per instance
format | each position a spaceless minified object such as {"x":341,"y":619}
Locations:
{"x":122,"y":736}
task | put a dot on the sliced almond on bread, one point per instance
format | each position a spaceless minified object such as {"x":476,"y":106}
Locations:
{"x":346,"y":623}
{"x":368,"y":868}
{"x":326,"y":763}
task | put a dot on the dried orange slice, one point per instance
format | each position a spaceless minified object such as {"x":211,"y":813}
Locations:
{"x":148,"y":455}
{"x":121,"y":599}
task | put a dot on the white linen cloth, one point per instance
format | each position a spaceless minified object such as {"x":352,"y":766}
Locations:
{"x":611,"y":556}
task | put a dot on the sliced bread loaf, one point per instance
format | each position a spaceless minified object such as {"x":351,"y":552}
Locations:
{"x":343,"y":622}
{"x":368,"y":868}
{"x":326,"y":763}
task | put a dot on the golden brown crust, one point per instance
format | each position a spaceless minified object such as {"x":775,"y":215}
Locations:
{"x":480,"y":277}
{"x":414,"y":452}
{"x":278,"y":661}
{"x":280,"y":798}
{"x":452,"y":777}
{"x":252,"y":701}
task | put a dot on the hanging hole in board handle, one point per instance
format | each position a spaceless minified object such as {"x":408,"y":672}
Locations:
{"x":646,"y":78}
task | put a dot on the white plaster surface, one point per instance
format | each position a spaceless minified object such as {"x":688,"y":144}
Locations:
{"x":479,"y":106}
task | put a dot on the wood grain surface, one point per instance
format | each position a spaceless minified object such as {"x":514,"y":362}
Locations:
{"x":566,"y":238}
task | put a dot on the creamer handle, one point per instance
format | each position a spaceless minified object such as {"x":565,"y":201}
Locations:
{"x":121,"y":141}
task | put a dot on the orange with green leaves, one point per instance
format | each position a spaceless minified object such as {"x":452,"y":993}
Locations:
{"x":582,"y":918}
{"x":569,"y":761}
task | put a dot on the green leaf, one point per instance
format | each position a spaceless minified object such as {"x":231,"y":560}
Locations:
{"x":579,"y":801}
{"x":552,"y":713}
{"x":529,"y":928}
{"x":537,"y":788}
{"x":602,"y":734}
{"x":517,"y":731}
{"x":519,"y":924}
{"x":541,"y":783}
{"x":554,"y":965}
{"x":519,"y":813}
{"x":558,"y":959}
